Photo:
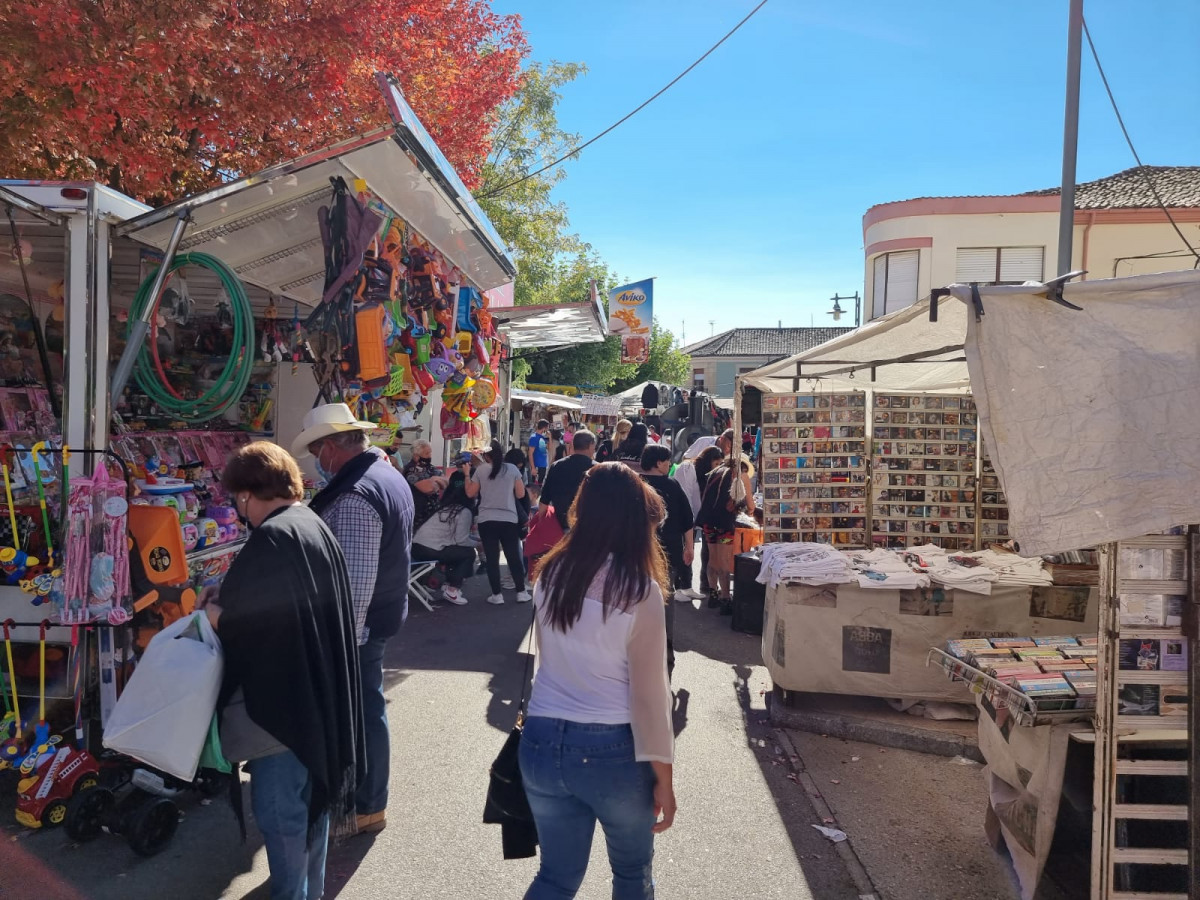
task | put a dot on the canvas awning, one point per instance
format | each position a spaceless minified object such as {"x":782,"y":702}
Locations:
{"x":552,"y":325}
{"x":557,"y":401}
{"x":903,"y":351}
{"x":265,"y":226}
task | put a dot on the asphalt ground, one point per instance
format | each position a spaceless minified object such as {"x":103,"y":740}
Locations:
{"x":453,"y":677}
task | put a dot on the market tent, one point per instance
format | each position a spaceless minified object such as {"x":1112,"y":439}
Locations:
{"x":553,"y":325}
{"x":557,"y":401}
{"x":264,"y":226}
{"x":903,"y":351}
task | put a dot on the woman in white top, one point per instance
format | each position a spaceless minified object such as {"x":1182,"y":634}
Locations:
{"x":446,"y":537}
{"x":499,"y":486}
{"x":598,"y":744}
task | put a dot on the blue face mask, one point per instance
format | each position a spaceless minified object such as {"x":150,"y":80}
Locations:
{"x":325,"y":474}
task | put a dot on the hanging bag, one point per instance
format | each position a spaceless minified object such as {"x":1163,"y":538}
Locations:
{"x":506,"y":804}
{"x":164,"y":714}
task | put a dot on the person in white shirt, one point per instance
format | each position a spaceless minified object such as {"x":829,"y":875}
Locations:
{"x":598,"y":743}
{"x":446,"y":537}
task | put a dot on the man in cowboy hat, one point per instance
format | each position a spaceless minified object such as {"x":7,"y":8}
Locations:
{"x":368,"y":506}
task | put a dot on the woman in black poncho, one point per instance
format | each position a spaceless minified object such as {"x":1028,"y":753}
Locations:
{"x":290,"y":699}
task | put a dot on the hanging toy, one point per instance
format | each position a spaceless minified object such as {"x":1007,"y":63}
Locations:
{"x":469,"y":300}
{"x":10,"y":733}
{"x":297,"y":339}
{"x":40,"y":447}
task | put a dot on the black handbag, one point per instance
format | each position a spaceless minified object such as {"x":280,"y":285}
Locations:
{"x":506,"y":804}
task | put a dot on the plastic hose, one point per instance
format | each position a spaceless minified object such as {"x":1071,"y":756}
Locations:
{"x":234,"y":377}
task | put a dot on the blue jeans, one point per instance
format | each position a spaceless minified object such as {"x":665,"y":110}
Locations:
{"x":280,"y":788}
{"x":574,"y":775}
{"x":372,"y":793}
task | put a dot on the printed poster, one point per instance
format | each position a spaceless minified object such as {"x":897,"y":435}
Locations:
{"x":630,"y":312}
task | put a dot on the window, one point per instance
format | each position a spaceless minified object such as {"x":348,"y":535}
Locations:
{"x":698,"y":379}
{"x":745,"y":370}
{"x":895,"y":285}
{"x":999,"y":265}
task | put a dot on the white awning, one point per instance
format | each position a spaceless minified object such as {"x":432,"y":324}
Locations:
{"x":552,"y":325}
{"x":557,"y":401}
{"x":903,"y":351}
{"x":265,"y":225}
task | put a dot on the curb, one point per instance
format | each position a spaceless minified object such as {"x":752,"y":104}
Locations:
{"x":886,"y":734}
{"x":845,"y":849}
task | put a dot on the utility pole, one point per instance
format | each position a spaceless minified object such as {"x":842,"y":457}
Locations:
{"x":1066,"y":209}
{"x":712,"y":327}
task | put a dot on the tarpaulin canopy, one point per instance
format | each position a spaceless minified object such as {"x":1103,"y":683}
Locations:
{"x":1092,"y":417}
{"x":557,"y":401}
{"x":903,"y":351}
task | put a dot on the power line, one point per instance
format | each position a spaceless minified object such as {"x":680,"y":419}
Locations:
{"x":624,"y":119}
{"x":1128,"y":140}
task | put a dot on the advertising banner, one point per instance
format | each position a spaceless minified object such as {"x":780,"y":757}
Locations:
{"x":630,"y":311}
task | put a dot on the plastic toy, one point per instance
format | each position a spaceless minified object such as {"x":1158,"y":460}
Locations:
{"x":469,"y":300}
{"x":14,"y":564}
{"x":209,"y":533}
{"x":10,"y":749}
{"x":372,"y":354}
{"x":42,"y":798}
{"x":40,"y":447}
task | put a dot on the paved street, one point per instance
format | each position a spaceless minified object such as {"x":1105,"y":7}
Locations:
{"x":743,"y":829}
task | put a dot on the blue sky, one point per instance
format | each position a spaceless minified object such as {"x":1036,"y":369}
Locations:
{"x":743,"y":187}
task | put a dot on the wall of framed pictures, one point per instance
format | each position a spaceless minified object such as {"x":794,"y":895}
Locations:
{"x":884,"y":470}
{"x":815,"y":468}
{"x":923,"y":463}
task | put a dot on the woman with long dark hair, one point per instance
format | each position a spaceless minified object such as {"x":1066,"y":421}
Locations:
{"x":598,"y":743}
{"x":630,"y":449}
{"x":692,"y":475}
{"x":500,"y":488}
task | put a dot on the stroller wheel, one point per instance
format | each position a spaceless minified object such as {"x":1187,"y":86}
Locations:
{"x":86,"y":813}
{"x":153,"y":826}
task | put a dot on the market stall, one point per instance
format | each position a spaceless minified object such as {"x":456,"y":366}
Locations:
{"x":1078,"y":418}
{"x":139,"y":346}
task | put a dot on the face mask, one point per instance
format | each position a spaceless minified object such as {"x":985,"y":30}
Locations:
{"x":325,"y":474}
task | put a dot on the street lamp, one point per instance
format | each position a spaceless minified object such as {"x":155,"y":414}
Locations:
{"x":837,"y":312}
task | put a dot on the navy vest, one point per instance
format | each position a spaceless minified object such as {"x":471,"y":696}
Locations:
{"x":375,"y":479}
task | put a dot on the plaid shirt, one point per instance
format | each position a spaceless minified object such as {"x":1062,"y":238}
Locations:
{"x":359,"y":530}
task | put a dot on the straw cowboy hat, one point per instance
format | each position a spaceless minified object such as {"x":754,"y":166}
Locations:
{"x":322,"y":421}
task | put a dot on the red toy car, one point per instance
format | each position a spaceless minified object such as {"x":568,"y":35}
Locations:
{"x":42,"y":797}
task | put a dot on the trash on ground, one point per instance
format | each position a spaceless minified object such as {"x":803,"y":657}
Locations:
{"x":834,"y":834}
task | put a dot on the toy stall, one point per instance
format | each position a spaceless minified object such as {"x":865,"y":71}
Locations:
{"x":138,"y":347}
{"x":898,"y":462}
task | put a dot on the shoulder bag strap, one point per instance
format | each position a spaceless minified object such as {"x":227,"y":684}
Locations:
{"x":528,"y":660}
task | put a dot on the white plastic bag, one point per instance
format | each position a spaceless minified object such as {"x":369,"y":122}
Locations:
{"x":163,"y":715}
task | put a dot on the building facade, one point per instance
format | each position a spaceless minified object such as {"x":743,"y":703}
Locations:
{"x":914,"y":246}
{"x":717,"y":360}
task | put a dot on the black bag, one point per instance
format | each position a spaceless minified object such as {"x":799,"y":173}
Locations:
{"x":506,"y":804}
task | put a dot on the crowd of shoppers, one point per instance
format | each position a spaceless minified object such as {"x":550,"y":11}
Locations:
{"x":302,"y":701}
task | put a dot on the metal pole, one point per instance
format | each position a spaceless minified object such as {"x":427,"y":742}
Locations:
{"x":137,"y":335}
{"x":1066,"y":210}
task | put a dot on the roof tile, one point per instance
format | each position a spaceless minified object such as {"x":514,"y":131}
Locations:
{"x":773,"y":342}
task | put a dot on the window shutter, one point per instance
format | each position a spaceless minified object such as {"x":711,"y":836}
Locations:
{"x":975,"y":264}
{"x":879,"y":285}
{"x":902,"y":279}
{"x":1018,"y":264}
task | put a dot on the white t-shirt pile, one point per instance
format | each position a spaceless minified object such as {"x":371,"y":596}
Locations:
{"x":885,"y":570}
{"x":943,"y":568}
{"x":803,"y":564}
{"x":1014,"y":569}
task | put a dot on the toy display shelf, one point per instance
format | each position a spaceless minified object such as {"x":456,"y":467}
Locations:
{"x":1026,"y":711}
{"x":216,"y":550}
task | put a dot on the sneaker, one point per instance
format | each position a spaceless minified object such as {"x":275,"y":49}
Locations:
{"x":689,"y":594}
{"x":714,"y":599}
{"x":496,"y":599}
{"x":506,"y":582}
{"x":523,"y":597}
{"x":370,"y":823}
{"x":453,"y":595}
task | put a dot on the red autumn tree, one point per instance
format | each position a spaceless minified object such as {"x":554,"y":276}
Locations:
{"x":160,"y":99}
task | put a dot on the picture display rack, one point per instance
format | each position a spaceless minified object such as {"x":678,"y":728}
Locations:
{"x":924,"y":463}
{"x":814,"y":459}
{"x":993,"y":505}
